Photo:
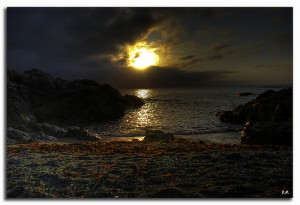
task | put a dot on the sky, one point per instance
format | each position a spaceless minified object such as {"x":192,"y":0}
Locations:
{"x":193,"y":46}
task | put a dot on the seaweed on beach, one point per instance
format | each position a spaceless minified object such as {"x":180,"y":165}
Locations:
{"x":148,"y":170}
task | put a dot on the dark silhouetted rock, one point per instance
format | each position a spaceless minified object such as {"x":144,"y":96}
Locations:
{"x":13,"y":76}
{"x":61,"y":83}
{"x":229,"y":116}
{"x":19,"y":109}
{"x":38,"y":97}
{"x":81,"y":134}
{"x":37,"y":79}
{"x":158,"y":135}
{"x":53,"y":130}
{"x":18,"y":135}
{"x":267,"y":118}
{"x":35,"y":98}
{"x":268,"y":133}
{"x":132,"y":100}
{"x":30,"y":135}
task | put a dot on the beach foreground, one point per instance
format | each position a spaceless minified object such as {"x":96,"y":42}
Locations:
{"x":178,"y":169}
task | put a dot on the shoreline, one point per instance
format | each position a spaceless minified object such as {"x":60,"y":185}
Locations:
{"x":218,"y":138}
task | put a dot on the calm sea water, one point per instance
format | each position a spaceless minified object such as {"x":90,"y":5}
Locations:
{"x":180,"y":111}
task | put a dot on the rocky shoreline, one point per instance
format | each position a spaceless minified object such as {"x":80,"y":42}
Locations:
{"x":268,"y":119}
{"x":43,"y":108}
{"x":43,"y":111}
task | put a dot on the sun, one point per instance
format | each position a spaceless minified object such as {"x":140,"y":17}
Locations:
{"x":141,"y":57}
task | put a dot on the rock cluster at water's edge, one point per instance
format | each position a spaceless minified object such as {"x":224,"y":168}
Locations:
{"x":268,"y":119}
{"x":158,"y":135}
{"x":43,"y":106}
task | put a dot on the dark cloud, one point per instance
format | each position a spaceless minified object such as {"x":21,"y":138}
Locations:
{"x":206,"y":14}
{"x":187,"y":57}
{"x":197,"y":60}
{"x":270,"y":65}
{"x":209,"y":13}
{"x":220,"y":47}
{"x":215,"y":57}
{"x":68,"y":35}
{"x":124,"y":26}
{"x":200,"y":60}
{"x":89,"y":42}
{"x":191,"y":62}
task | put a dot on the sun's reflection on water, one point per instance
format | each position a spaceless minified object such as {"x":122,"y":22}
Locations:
{"x":143,"y":93}
{"x":144,"y":116}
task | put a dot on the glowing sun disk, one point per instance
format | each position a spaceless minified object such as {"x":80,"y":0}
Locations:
{"x":142,"y":58}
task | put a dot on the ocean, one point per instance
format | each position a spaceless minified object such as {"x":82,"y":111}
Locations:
{"x":184,"y":112}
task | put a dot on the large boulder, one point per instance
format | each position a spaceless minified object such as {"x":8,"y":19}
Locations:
{"x":268,"y":133}
{"x":158,"y":135}
{"x":267,"y":119}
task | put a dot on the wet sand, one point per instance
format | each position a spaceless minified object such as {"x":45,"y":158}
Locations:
{"x":179,"y":169}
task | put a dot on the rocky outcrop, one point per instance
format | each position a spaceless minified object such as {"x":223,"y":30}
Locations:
{"x":267,"y":119}
{"x":53,"y":130}
{"x":82,"y":134}
{"x":158,"y":135}
{"x":37,"y":79}
{"x":37,"y":96}
{"x":37,"y":102}
{"x":18,"y":135}
{"x":131,"y":100}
